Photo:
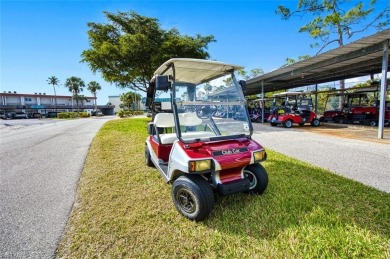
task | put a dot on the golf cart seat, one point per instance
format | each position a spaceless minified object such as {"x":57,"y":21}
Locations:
{"x":165,"y":120}
{"x":189,"y":119}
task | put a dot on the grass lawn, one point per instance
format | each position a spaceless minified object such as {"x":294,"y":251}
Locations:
{"x":124,"y":209}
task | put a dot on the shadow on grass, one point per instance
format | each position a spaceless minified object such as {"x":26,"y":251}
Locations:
{"x":299,"y":193}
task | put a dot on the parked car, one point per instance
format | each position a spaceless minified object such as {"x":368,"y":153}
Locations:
{"x":96,"y":113}
{"x":20,"y":115}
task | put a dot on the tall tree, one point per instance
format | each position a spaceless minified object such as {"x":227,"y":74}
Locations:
{"x":130,"y":98}
{"x":335,"y":20}
{"x":93,"y":87}
{"x":129,"y":48}
{"x":253,"y":73}
{"x":75,"y":85}
{"x":54,"y":81}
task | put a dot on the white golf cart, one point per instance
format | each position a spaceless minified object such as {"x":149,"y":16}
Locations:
{"x":194,"y":150}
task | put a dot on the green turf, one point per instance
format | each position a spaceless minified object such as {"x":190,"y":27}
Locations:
{"x":124,"y":210}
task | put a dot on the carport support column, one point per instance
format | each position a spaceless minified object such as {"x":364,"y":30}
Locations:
{"x":262,"y":101}
{"x":383,"y":88}
{"x":316,"y":100}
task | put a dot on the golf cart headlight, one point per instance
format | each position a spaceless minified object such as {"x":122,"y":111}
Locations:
{"x":200,"y":165}
{"x":259,"y":155}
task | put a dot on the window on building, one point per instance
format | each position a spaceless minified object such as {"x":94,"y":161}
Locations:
{"x":27,"y":99}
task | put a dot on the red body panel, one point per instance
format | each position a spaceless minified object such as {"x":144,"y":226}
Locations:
{"x":364,"y":110}
{"x":161,"y":151}
{"x":231,"y":164}
{"x":230,"y":175}
{"x":206,"y":149}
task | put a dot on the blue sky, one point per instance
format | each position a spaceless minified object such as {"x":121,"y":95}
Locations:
{"x":40,"y":39}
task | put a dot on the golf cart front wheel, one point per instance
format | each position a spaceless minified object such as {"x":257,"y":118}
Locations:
{"x":287,"y":124}
{"x":193,"y":197}
{"x":315,"y":122}
{"x":258,"y":178}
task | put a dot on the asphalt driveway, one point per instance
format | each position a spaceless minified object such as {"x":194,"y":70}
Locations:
{"x":354,"y":152}
{"x":40,"y":163}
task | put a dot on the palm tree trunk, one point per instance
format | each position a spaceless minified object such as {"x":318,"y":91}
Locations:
{"x":95,"y":101}
{"x":55,"y":97}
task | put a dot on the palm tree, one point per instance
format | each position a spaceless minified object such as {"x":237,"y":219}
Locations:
{"x":129,"y":98}
{"x":93,"y":87}
{"x":75,"y":86}
{"x":54,"y":81}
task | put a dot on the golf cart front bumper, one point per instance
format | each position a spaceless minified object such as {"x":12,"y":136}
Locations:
{"x":241,"y":185}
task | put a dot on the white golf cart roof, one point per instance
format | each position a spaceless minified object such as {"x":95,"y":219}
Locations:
{"x":195,"y":70}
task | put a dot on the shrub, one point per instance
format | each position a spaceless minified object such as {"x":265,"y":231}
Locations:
{"x":72,"y":115}
{"x":63,"y":115}
{"x":124,"y":114}
{"x":84,"y":114}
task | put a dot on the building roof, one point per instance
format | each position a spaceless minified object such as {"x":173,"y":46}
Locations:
{"x":40,"y":95}
{"x":359,"y":58}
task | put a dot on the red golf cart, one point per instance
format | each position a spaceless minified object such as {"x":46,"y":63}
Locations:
{"x":292,"y":107}
{"x":360,"y":106}
{"x":257,"y":107}
{"x":196,"y":152}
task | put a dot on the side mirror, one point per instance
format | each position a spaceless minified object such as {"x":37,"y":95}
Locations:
{"x":243,"y":85}
{"x":162,"y":83}
{"x":151,"y":128}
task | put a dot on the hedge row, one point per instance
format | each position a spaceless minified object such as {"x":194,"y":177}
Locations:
{"x":69,"y":115}
{"x":125,"y":114}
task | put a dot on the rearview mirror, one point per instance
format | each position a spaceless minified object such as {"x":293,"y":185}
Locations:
{"x":162,"y":83}
{"x":243,"y":85}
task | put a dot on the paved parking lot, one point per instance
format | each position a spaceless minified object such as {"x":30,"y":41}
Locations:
{"x":40,"y":163}
{"x":352,"y":151}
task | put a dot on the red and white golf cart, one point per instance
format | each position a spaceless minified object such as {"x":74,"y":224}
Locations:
{"x":195,"y":151}
{"x":292,"y":107}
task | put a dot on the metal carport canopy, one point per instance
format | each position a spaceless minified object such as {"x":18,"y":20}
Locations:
{"x":359,"y":58}
{"x":363,"y":57}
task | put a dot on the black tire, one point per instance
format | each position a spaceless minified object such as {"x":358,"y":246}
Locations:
{"x":373,"y":123}
{"x":338,"y":120}
{"x":315,"y":122}
{"x":258,"y":120}
{"x":258,"y":178}
{"x":193,"y":197}
{"x":148,"y":160}
{"x":287,"y":124}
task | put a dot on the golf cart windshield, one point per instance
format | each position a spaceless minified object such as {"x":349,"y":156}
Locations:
{"x":211,"y":110}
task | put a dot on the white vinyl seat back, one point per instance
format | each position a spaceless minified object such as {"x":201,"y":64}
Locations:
{"x":189,"y":119}
{"x":164,"y":120}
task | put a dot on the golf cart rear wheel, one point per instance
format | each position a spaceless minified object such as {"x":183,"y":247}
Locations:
{"x":258,"y":178}
{"x":148,"y":159}
{"x":193,"y":197}
{"x":287,"y":124}
{"x":315,"y":122}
